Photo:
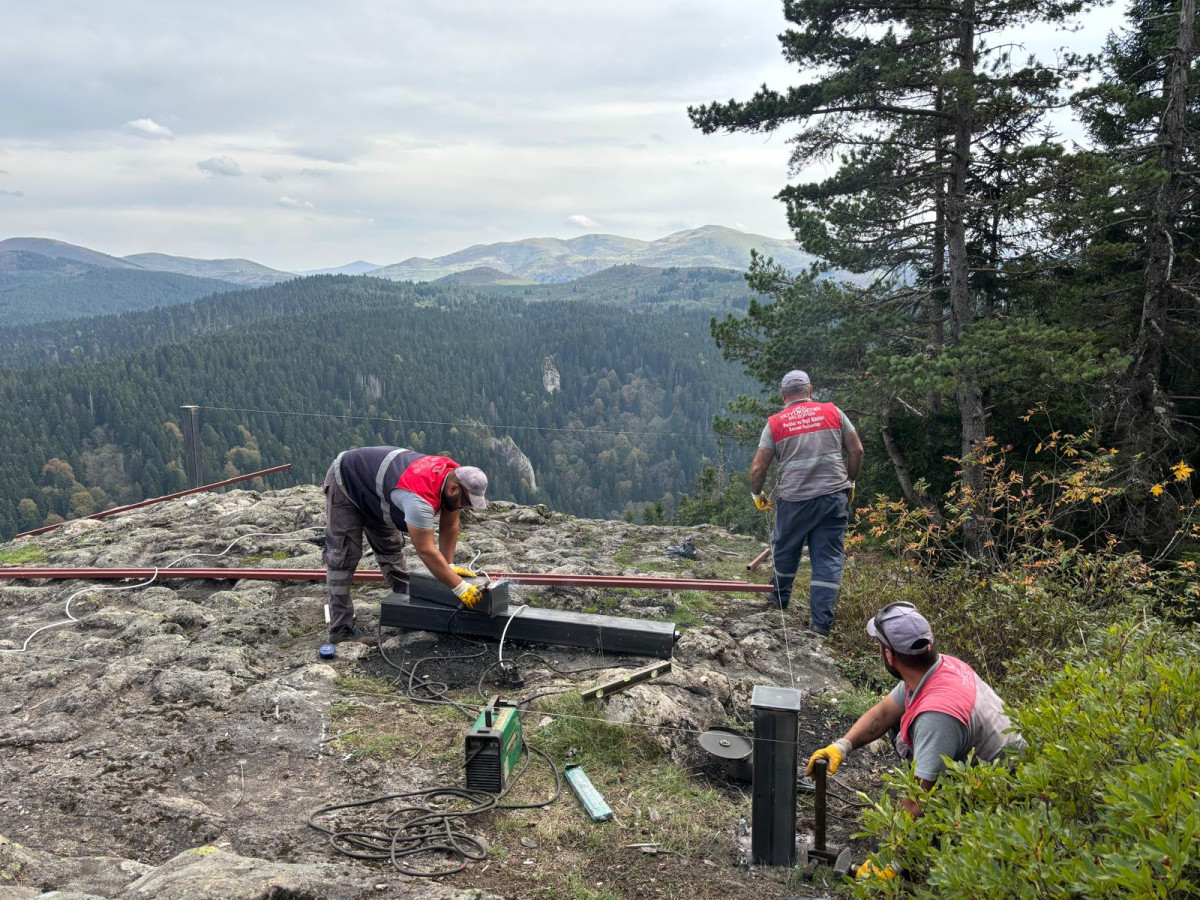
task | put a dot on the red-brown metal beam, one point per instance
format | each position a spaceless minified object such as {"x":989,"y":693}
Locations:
{"x":120,"y":509}
{"x":599,"y":581}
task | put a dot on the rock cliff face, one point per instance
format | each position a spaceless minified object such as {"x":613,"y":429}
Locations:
{"x":551,"y":379}
{"x":173,"y":741}
{"x":515,"y":457}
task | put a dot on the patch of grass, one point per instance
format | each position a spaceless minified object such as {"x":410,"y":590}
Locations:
{"x":281,"y":554}
{"x":23,"y":555}
{"x":575,"y":734}
{"x":691,"y":607}
{"x":577,"y":890}
{"x":625,"y":555}
{"x":365,"y":684}
{"x":374,"y":744}
{"x":852,"y":703}
{"x":252,"y":560}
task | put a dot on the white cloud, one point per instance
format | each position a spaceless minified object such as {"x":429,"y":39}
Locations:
{"x":219,"y":165}
{"x":293,"y":203}
{"x":581,"y":222}
{"x":148,"y":128}
{"x":4,"y":193}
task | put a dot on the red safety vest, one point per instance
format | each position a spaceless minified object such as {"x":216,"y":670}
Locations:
{"x":805,"y":417}
{"x":952,"y":690}
{"x":425,"y":478}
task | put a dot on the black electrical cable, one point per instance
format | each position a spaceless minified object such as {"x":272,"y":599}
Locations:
{"x":412,"y":830}
{"x":417,"y":829}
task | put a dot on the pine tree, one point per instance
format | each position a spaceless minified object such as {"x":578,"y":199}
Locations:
{"x":942,"y":165}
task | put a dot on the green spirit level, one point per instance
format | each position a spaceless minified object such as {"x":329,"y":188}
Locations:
{"x":493,"y":746}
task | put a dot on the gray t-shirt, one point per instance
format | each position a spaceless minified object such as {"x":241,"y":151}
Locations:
{"x":418,"y":512}
{"x":933,"y":735}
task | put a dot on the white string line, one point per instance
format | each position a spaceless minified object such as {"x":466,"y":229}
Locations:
{"x":773,"y":518}
{"x":157,"y":569}
{"x":463,"y":424}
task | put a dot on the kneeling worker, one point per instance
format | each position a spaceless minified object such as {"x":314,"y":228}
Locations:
{"x":939,"y":708}
{"x":385,"y":492}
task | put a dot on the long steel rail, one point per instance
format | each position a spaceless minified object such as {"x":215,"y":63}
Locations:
{"x":618,"y":582}
{"x":105,"y":513}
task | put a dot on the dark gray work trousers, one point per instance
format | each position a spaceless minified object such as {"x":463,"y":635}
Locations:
{"x":344,"y":528}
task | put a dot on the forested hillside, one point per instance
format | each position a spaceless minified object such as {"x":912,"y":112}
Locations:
{"x":610,"y":406}
{"x":95,"y":338}
{"x":34,"y":288}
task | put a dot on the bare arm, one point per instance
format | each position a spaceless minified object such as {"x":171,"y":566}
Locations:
{"x":758,"y":468}
{"x":448,"y":534}
{"x":422,"y":541}
{"x":854,"y":455}
{"x":875,"y":722}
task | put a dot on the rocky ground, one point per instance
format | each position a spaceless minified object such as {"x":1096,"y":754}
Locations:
{"x":173,"y":742}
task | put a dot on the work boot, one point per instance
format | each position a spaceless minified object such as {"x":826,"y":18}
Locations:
{"x":344,"y":633}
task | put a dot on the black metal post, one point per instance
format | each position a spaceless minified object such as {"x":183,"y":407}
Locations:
{"x":773,"y":806}
{"x":193,"y":461}
{"x":820,"y":771}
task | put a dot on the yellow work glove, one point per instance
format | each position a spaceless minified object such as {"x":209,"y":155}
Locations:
{"x":835,"y":753}
{"x":462,"y":571}
{"x":867,"y":870}
{"x":468,"y":593}
{"x":761,"y":501}
{"x":852,"y":493}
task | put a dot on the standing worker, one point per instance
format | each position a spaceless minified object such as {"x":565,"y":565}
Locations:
{"x":385,"y":492}
{"x":819,"y":456}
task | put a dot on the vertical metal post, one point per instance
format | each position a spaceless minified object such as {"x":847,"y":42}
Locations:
{"x":820,"y":771}
{"x":193,"y":460}
{"x":773,"y":806}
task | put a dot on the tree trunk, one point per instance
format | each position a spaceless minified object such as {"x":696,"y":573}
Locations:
{"x":903,"y":475}
{"x":1150,"y":422}
{"x":967,"y":391}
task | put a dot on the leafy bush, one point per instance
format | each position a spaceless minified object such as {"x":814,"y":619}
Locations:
{"x":1103,"y":803}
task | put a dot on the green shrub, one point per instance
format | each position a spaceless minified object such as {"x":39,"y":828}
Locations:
{"x":1103,"y":803}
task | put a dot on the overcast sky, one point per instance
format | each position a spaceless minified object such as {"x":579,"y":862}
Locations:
{"x":304,"y":134}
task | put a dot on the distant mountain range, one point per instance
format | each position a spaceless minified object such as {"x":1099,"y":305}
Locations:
{"x":238,"y":271}
{"x":43,"y":279}
{"x":358,"y":267}
{"x":553,"y":260}
{"x":545,"y":260}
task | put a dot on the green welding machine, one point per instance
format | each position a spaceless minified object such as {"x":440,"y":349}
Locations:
{"x":493,"y":746}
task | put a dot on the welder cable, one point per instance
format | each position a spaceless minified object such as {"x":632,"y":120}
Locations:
{"x":503,"y":634}
{"x":70,"y":618}
{"x":129,"y":587}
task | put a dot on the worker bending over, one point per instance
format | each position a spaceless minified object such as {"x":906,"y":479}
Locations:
{"x":940,"y":708}
{"x":386,"y":492}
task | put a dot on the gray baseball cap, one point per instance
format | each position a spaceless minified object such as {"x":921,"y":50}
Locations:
{"x":899,"y":627}
{"x":795,"y":378}
{"x":475,"y":483}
